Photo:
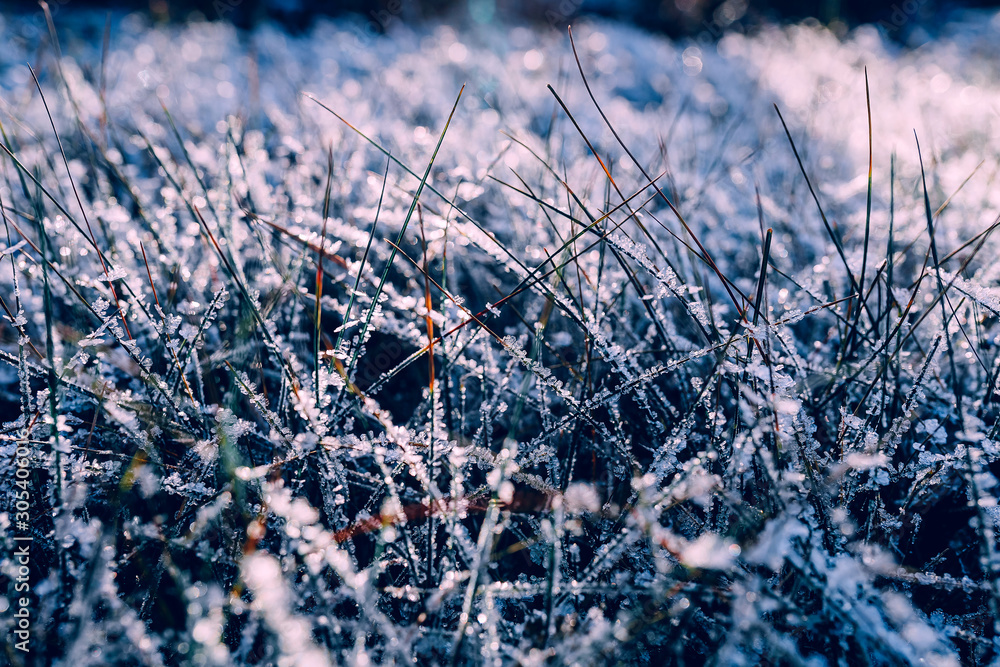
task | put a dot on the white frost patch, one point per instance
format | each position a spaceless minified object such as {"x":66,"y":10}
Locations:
{"x":709,"y":552}
{"x":262,"y":574}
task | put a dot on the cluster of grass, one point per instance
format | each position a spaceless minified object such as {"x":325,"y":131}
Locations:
{"x":438,"y":415}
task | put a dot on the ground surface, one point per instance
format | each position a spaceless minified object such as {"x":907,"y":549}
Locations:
{"x":554,"y":427}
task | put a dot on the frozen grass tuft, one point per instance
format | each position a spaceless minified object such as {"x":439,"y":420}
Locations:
{"x":313,"y":355}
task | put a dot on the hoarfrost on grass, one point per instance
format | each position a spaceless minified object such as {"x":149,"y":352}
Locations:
{"x":558,"y":426}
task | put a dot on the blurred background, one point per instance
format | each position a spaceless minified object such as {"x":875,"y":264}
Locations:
{"x":896,"y":18}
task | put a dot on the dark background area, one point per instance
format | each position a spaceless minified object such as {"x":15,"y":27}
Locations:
{"x":673,"y":17}
{"x":897,"y":18}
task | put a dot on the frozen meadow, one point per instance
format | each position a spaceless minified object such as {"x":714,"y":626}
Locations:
{"x":461,"y":346}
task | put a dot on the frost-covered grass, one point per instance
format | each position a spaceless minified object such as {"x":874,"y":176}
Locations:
{"x":314,"y":359}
